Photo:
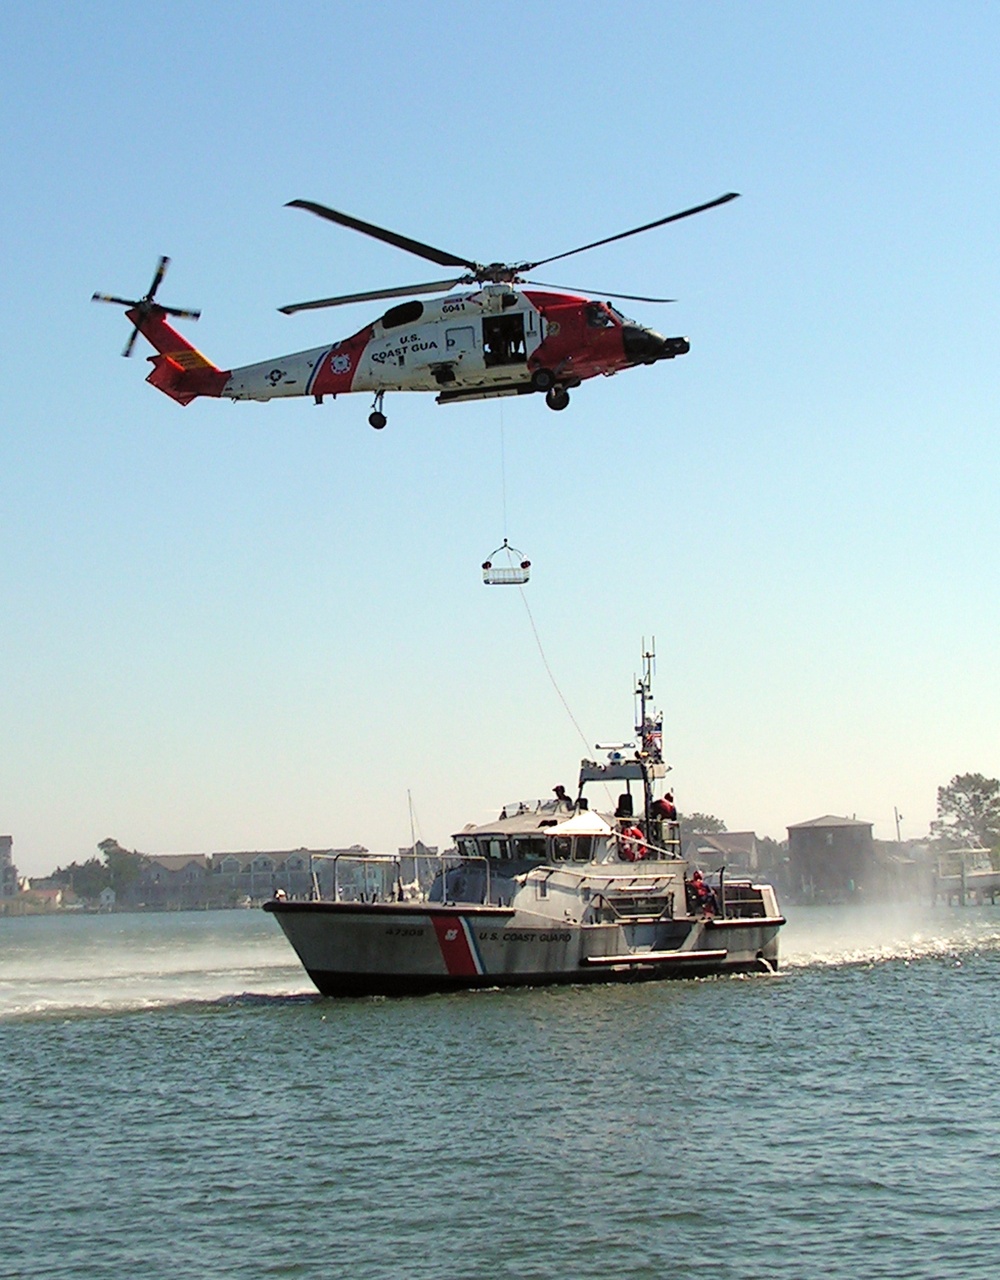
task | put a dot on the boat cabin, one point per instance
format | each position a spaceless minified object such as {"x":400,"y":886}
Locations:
{"x":540,"y":832}
{"x":560,"y":831}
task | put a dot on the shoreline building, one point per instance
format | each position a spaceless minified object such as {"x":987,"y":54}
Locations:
{"x":172,"y":881}
{"x":831,"y":859}
{"x":736,"y":851}
{"x":8,"y":872}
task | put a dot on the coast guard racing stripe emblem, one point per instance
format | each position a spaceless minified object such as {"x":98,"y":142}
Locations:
{"x":458,"y":946}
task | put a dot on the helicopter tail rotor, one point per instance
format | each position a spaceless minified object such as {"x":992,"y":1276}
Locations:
{"x":141,"y":308}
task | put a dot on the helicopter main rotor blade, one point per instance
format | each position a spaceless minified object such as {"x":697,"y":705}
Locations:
{"x":372,"y":295}
{"x":379,"y":233}
{"x":177,"y":311}
{"x":131,"y":342}
{"x":660,"y":222}
{"x":599,"y":293}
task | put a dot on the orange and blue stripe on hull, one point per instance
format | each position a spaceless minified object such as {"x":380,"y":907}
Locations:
{"x":459,"y":948}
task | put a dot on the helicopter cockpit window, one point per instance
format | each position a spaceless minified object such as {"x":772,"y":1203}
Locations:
{"x":503,"y":340}
{"x":405,"y":313}
{"x":598,"y":316}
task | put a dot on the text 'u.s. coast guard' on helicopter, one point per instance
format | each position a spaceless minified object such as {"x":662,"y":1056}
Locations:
{"x":490,"y":339}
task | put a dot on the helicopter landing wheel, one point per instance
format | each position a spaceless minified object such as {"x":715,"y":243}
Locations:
{"x":557,"y":398}
{"x":543,"y":379}
{"x":377,"y":418}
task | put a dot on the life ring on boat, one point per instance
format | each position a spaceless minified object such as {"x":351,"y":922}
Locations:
{"x":632,"y":845}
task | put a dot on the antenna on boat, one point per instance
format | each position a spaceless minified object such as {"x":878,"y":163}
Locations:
{"x":649,"y":726}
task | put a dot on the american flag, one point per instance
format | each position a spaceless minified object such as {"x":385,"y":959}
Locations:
{"x":652,"y":736}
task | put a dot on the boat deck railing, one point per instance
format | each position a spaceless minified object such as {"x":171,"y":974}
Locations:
{"x":402,"y":877}
{"x":739,"y":899}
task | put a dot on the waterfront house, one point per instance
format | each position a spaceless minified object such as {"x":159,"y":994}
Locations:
{"x":259,"y":875}
{"x":735,"y":850}
{"x":171,"y":880}
{"x":831,"y":859}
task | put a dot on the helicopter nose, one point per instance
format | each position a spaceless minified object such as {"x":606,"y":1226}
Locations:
{"x":645,"y":346}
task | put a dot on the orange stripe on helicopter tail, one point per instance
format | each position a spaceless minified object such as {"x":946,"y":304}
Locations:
{"x":189,"y":358}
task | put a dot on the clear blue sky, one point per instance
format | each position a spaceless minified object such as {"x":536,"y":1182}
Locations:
{"x":257,"y":626}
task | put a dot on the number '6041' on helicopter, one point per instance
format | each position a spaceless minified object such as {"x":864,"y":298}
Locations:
{"x":488,"y":337}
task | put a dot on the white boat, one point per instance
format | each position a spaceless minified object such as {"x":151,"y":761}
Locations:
{"x":551,"y":892}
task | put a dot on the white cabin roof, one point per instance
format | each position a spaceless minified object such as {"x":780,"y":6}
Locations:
{"x":585,"y":823}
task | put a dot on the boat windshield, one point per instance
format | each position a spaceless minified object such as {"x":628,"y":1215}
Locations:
{"x":498,"y":848}
{"x":572,"y":848}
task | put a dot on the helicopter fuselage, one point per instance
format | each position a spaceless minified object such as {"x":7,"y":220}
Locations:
{"x":495,"y":340}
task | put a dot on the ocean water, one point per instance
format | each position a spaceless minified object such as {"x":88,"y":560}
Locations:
{"x":177,"y":1102}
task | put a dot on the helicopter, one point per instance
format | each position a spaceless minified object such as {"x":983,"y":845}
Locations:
{"x":490,"y":336}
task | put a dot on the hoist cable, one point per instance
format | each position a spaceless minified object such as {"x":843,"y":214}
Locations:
{"x":503,"y":475}
{"x":524,"y":598}
{"x":545,"y":663}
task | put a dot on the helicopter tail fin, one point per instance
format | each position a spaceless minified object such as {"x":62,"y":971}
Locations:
{"x":179,"y":369}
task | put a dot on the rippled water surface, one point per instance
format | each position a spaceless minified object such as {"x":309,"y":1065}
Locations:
{"x":177,"y":1102}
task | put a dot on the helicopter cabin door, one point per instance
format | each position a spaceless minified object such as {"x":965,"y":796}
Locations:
{"x":460,"y":343}
{"x":503,"y":340}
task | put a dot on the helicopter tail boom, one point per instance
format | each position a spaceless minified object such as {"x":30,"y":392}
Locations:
{"x":179,"y":369}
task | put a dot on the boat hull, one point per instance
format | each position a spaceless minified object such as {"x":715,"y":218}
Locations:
{"x":356,"y":949}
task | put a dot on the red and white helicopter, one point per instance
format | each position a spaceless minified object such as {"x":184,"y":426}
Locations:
{"x":490,"y":339}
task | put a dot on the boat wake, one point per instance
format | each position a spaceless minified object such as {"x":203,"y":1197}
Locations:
{"x":875,"y":934}
{"x":101,"y":995}
{"x":55,"y":968}
{"x":100,"y":966}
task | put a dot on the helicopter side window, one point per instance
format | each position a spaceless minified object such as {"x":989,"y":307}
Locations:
{"x":598,"y":316}
{"x":403,"y":313}
{"x":503,"y":340}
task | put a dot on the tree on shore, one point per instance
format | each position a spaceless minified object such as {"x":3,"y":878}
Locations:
{"x":771,"y":853}
{"x":700,"y":824}
{"x":969,"y":811}
{"x":86,"y":879}
{"x":119,"y":871}
{"x":124,"y":865}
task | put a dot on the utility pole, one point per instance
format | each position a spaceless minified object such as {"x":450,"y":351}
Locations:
{"x":899,"y":818}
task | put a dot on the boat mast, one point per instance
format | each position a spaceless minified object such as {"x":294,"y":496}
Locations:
{"x":650,"y":735}
{"x":645,"y":763}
